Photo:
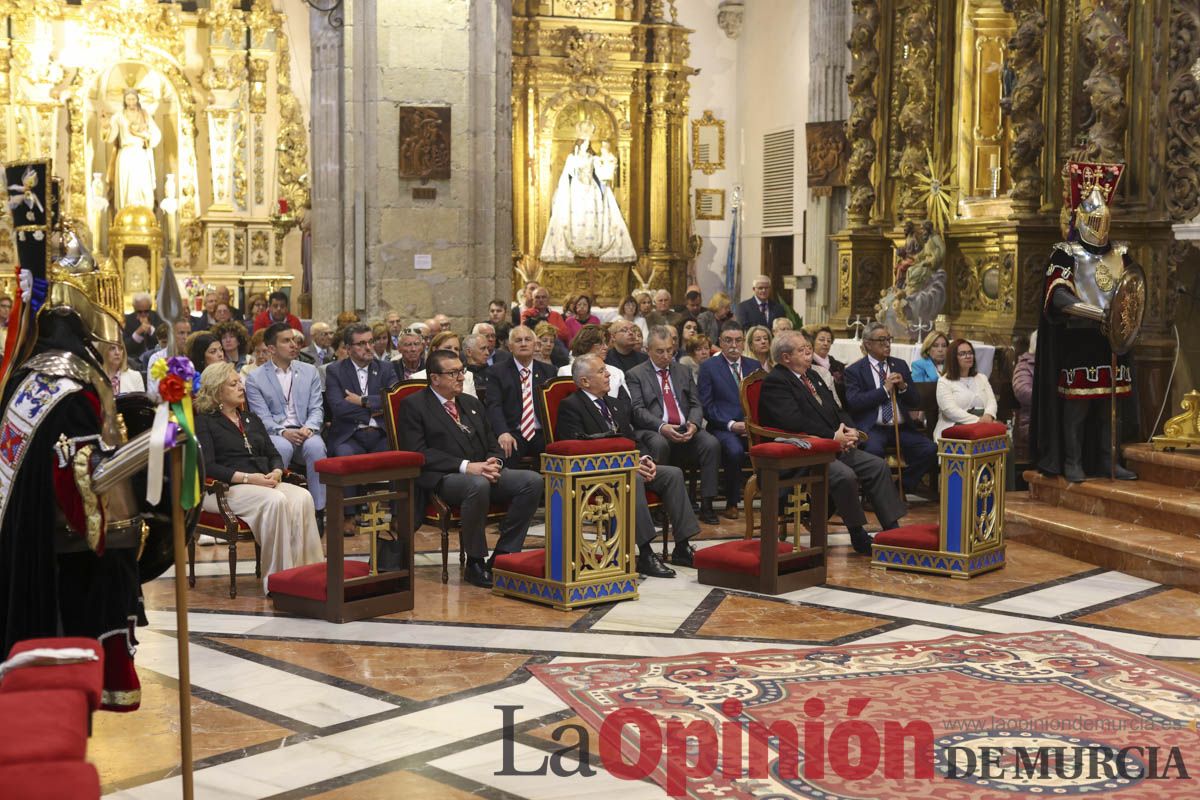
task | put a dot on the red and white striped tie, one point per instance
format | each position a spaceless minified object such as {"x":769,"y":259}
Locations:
{"x":527,"y":417}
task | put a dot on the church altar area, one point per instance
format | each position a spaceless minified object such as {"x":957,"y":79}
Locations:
{"x":176,"y":134}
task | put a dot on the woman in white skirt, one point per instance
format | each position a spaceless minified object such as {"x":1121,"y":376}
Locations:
{"x":964,"y":396}
{"x":238,"y":451}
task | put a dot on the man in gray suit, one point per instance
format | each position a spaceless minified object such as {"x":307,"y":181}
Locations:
{"x":286,"y":395}
{"x":669,"y":418}
{"x":320,"y":350}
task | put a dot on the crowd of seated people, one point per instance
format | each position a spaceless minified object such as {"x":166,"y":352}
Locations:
{"x":668,"y":376}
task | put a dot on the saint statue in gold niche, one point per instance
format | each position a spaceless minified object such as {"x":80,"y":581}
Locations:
{"x":131,"y":173}
{"x":585,"y":218}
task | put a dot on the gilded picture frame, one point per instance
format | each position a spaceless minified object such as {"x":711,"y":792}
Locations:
{"x":708,"y":143}
{"x":710,"y":204}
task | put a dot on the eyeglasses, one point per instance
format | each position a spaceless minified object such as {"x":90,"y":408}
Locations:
{"x":881,"y":339}
{"x":453,"y":373}
{"x":966,"y":354}
{"x":363,"y":343}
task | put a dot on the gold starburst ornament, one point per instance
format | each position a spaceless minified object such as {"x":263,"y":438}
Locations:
{"x":940,"y":192}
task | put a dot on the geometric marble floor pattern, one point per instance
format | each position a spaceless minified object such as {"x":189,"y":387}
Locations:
{"x":406,"y":705}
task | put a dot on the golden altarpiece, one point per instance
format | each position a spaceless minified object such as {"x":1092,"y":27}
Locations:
{"x":224,"y":175}
{"x":976,"y":105}
{"x":618,"y":68}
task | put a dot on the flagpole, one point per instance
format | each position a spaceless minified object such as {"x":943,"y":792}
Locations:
{"x":181,"y":624}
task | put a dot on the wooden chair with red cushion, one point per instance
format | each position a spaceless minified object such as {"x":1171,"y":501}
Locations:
{"x":548,"y":396}
{"x":227,"y":527}
{"x":437,"y":512}
{"x":769,"y":565}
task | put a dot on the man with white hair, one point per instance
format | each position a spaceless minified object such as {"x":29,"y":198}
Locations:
{"x":495,"y":354}
{"x":140,"y":325}
{"x":662,"y":313}
{"x":475,"y":359}
{"x":320,"y":347}
{"x":592,"y":412}
{"x":760,"y":309}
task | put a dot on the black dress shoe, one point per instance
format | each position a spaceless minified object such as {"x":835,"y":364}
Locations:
{"x":478,"y":574}
{"x":681,"y":556}
{"x":650,"y":565}
{"x":707,"y":515}
{"x":860,"y":541}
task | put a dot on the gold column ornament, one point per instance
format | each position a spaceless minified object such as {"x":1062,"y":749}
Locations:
{"x":915,"y":120}
{"x":864,"y":101}
{"x":1024,"y":103}
{"x":1105,"y":35}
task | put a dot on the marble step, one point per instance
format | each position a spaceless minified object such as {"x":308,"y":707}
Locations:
{"x":1142,"y":502}
{"x":1155,"y":555}
{"x":1181,"y":468}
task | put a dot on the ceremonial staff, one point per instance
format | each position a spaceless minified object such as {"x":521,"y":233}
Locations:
{"x":896,"y":429}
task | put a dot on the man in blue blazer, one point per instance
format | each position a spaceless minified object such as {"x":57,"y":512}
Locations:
{"x":512,"y":397}
{"x":354,"y":389}
{"x":720,"y":393}
{"x":870,"y":383}
{"x":286,"y":395}
{"x":760,"y":309}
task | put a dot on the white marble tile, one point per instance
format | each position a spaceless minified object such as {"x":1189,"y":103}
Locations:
{"x":1073,"y":595}
{"x":601,"y":645}
{"x":663,"y":605}
{"x":480,"y":764}
{"x":315,"y":760}
{"x":309,"y":701}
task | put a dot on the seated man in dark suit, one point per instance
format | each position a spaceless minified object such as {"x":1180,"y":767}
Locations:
{"x":463,"y":464}
{"x":510,"y":406}
{"x":760,"y":309}
{"x":870,"y":384}
{"x":796,"y":399}
{"x":354,"y":389}
{"x":668,"y":416}
{"x":720,"y":385}
{"x":140,"y":325}
{"x":592,"y":411}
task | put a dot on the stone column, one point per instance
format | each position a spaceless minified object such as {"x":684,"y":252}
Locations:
{"x":328,"y":234}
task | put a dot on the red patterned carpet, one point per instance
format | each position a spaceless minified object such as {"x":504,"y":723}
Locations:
{"x":1041,"y":714}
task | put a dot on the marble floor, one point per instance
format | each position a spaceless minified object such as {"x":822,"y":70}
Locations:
{"x":405,"y":706}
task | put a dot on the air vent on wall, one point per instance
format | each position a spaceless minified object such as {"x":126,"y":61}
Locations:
{"x":779,"y":174}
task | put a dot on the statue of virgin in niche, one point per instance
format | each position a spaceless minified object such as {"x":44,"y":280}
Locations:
{"x":135,"y":136}
{"x":585,"y":219}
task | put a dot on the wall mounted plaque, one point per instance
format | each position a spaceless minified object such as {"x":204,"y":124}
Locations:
{"x":828,"y":154}
{"x":708,"y":143}
{"x":710,"y":204}
{"x":425,"y":142}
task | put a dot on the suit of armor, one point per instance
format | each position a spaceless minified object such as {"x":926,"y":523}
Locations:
{"x":1074,"y":376}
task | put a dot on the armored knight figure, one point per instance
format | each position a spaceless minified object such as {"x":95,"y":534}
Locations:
{"x":71,"y":525}
{"x":1087,"y":299}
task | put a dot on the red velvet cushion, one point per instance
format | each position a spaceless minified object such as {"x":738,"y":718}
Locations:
{"x":975,"y":430}
{"x":86,"y":677}
{"x":211,"y":519}
{"x":918,"y":537}
{"x":781,"y":450}
{"x":43,"y":726}
{"x":528,"y":562}
{"x":309,"y":581}
{"x":740,"y":556}
{"x":753,"y":391}
{"x":369,"y":462}
{"x":652,"y":499}
{"x":590,"y":447}
{"x":50,"y":780}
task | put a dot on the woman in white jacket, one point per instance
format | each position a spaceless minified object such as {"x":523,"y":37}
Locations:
{"x":964,"y":396}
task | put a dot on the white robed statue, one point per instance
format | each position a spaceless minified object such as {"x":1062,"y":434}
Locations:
{"x":585,"y":219}
{"x":135,"y":135}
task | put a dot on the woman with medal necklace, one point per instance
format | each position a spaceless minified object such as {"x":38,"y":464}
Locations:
{"x":238,"y":451}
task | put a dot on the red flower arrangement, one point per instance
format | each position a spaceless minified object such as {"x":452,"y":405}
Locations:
{"x":171,"y":388}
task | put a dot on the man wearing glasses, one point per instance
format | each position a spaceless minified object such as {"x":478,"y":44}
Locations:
{"x":354,"y":389}
{"x":464,"y":464}
{"x":871,"y":384}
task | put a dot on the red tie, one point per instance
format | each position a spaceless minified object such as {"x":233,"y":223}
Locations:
{"x":811,"y":388}
{"x":673,"y":415}
{"x":527,"y":429}
{"x":452,"y":410}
